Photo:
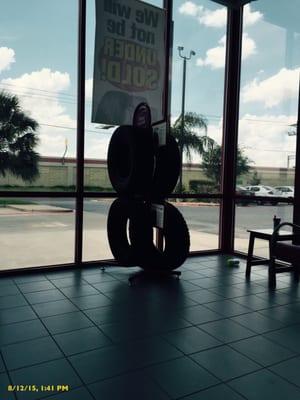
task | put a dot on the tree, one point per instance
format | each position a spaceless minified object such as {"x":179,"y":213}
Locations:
{"x":189,"y":139}
{"x":212,"y":164}
{"x":255,"y":179}
{"x":18,"y":139}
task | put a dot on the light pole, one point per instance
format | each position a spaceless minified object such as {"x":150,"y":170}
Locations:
{"x":185,"y":59}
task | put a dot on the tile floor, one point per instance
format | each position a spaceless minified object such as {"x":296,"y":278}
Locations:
{"x":208,"y":336}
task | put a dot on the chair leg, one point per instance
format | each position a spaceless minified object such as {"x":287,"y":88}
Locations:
{"x":296,"y":272}
{"x":272,"y":274}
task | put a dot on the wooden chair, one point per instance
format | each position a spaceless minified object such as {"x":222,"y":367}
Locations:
{"x":287,"y":253}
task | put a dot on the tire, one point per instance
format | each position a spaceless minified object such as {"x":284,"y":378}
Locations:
{"x":120,"y":213}
{"x":176,"y":239}
{"x":167,"y":169}
{"x":130,"y":160}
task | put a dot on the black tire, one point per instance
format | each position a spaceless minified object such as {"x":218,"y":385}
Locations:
{"x":130,"y":160}
{"x":167,"y":169}
{"x":176,"y":239}
{"x":120,"y":213}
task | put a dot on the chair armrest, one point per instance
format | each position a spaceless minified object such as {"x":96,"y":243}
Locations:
{"x":276,"y":232}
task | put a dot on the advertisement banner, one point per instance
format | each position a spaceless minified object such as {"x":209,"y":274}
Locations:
{"x":129,"y":60}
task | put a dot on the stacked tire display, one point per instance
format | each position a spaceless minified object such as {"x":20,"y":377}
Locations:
{"x":144,"y":174}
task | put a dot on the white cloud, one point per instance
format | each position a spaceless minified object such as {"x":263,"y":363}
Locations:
{"x":7,"y":57}
{"x":215,"y":57}
{"x":189,"y":8}
{"x":217,"y":18}
{"x":89,"y":89}
{"x":39,"y":93}
{"x":273,"y":90}
{"x":251,"y":17}
{"x":213,"y":19}
{"x":265,"y":140}
{"x":44,"y":79}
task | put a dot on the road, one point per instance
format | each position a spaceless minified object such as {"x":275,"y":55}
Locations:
{"x":199,"y":218}
{"x":31,"y":239}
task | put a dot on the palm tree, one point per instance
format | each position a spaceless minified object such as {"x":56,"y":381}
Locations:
{"x":18,"y":139}
{"x":189,"y":137}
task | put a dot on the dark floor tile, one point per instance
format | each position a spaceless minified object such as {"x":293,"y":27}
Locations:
{"x":203,"y":296}
{"x":20,"y":279}
{"x":262,"y":350}
{"x":136,"y":386}
{"x":109,"y":314}
{"x":30,"y":352}
{"x":253,"y":302}
{"x":35,"y":286}
{"x":257,"y":322}
{"x":288,"y":370}
{"x":181,"y":377}
{"x":101,"y":364}
{"x":4,"y":393}
{"x":109,"y":286}
{"x":6,"y":282}
{"x":249,"y":287}
{"x":58,"y":372}
{"x":227,"y":308}
{"x":44,"y":296}
{"x":79,"y":291}
{"x":54,"y":308}
{"x":287,"y":337}
{"x":76,"y":394}
{"x":262,"y":385}
{"x":228,"y":292}
{"x":205,"y":283}
{"x":81,"y":340}
{"x":225,"y":363}
{"x":98,"y":278}
{"x":19,"y":314}
{"x":12,"y":301}
{"x":190,"y":340}
{"x":93,"y":301}
{"x":190,"y":275}
{"x":283,"y":314}
{"x":226,"y":330}
{"x":215,"y":393}
{"x":145,"y":325}
{"x":2,"y":367}
{"x":67,"y":282}
{"x":199,"y":314}
{"x":275,"y":298}
{"x":21,"y":331}
{"x":66,"y":322}
{"x":107,"y":362}
{"x":9,"y":290}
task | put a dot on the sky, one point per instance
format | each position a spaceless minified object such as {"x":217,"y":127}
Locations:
{"x":38,"y":62}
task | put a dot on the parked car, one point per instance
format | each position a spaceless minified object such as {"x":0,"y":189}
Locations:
{"x":242,"y":191}
{"x":266,"y":191}
{"x":286,"y":191}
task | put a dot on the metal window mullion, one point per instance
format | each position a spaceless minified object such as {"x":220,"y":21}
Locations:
{"x":80,"y":131}
{"x":230,"y":126}
{"x":296,"y":210}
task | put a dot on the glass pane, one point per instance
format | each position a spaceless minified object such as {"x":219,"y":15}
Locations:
{"x":202,"y":218}
{"x":199,"y":27}
{"x":36,"y":232}
{"x":97,"y":135}
{"x":95,"y":242}
{"x":255,"y":216}
{"x":38,"y":54}
{"x":269,"y":97}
